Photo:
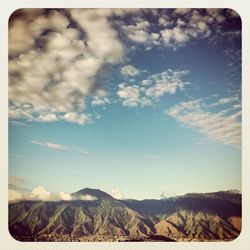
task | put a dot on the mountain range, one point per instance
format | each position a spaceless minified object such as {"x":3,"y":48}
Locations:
{"x":191,"y":217}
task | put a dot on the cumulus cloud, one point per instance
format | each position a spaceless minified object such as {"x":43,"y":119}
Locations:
{"x":138,"y":31}
{"x":76,"y":118}
{"x":51,"y":69}
{"x":223,"y":126}
{"x":40,"y":193}
{"x":48,"y":118}
{"x":167,"y":82}
{"x":175,"y":35}
{"x":14,"y":195}
{"x":130,"y":70}
{"x":193,"y":24}
{"x":65,"y":196}
{"x":72,"y":117}
{"x":153,"y":87}
{"x":117,"y":194}
{"x":60,"y":147}
{"x":129,"y":94}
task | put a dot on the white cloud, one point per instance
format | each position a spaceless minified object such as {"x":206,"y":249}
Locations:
{"x":166,"y":82}
{"x":130,"y":70}
{"x":40,"y":193}
{"x":153,"y":87}
{"x":175,"y":36}
{"x":103,"y":41}
{"x":97,"y":101}
{"x":138,"y":32}
{"x":60,"y":147}
{"x":188,"y":24}
{"x":227,"y":100}
{"x":146,"y":82}
{"x":129,"y":94}
{"x":237,"y":106}
{"x":117,"y":194}
{"x":87,"y":197}
{"x":38,"y":143}
{"x":222,"y":127}
{"x":56,"y":146}
{"x":14,"y":195}
{"x":48,"y":118}
{"x":65,"y":196}
{"x":18,"y":113}
{"x":74,"y":117}
{"x":155,"y":36}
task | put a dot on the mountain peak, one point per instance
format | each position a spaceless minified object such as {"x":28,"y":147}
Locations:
{"x":96,"y":193}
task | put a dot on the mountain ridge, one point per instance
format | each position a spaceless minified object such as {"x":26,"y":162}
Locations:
{"x":209,"y":216}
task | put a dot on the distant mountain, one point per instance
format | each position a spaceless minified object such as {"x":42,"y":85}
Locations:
{"x":201,"y":217}
{"x":95,"y":193}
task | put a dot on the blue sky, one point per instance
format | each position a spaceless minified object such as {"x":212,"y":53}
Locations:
{"x":134,"y":102}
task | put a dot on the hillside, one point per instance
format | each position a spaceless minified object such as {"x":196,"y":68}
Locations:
{"x":201,"y":217}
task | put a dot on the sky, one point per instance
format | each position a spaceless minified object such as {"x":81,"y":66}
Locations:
{"x":140,"y":103}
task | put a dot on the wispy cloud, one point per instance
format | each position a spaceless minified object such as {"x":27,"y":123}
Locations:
{"x":16,"y":183}
{"x":98,"y":101}
{"x":219,"y":126}
{"x":15,"y":179}
{"x":153,"y":156}
{"x":60,"y":147}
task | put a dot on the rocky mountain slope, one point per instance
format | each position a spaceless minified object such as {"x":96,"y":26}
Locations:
{"x":202,"y":217}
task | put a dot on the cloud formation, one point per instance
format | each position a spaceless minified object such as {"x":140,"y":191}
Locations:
{"x":53,"y":65}
{"x":117,"y":194}
{"x":130,"y":70}
{"x":60,"y":147}
{"x":59,"y":59}
{"x":98,"y":101}
{"x":14,"y":195}
{"x":223,"y":127}
{"x":42,"y":194}
{"x":152,"y":88}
